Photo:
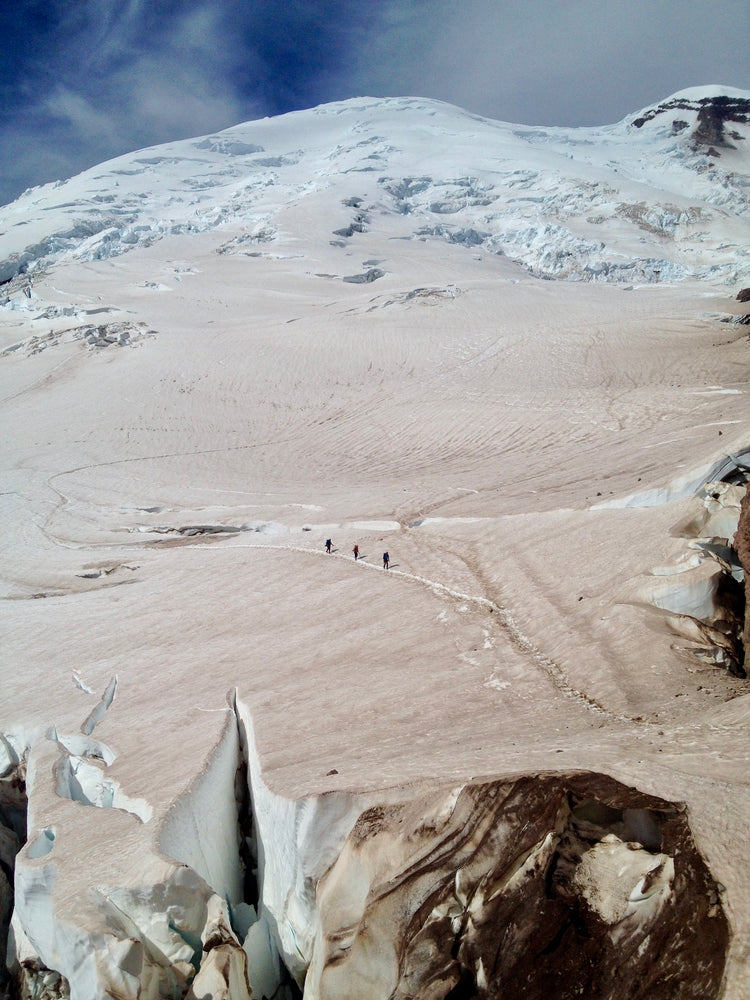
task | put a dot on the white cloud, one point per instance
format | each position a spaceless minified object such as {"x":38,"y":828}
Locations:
{"x":114,"y":91}
{"x":123,"y":74}
{"x":550,"y":62}
{"x":75,"y":114}
{"x":175,"y":100}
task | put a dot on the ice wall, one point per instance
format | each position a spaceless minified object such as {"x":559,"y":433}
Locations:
{"x":703,"y":591}
{"x":535,"y":885}
{"x":202,"y":828}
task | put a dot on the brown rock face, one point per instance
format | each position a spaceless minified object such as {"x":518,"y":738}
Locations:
{"x":13,"y":807}
{"x":742,"y":547}
{"x":709,"y":128}
{"x":743,"y":295}
{"x":713,"y":114}
{"x":548,"y":886}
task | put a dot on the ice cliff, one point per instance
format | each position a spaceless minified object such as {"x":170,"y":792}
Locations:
{"x":533,"y":885}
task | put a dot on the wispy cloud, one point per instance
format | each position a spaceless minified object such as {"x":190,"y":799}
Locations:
{"x":118,"y":78}
{"x":87,"y":80}
{"x":74,"y":113}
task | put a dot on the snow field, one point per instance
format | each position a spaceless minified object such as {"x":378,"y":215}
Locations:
{"x":527,"y":450}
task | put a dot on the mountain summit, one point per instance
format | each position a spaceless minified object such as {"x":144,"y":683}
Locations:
{"x":660,"y":196}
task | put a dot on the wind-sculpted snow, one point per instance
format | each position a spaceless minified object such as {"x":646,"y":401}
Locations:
{"x":630,"y":202}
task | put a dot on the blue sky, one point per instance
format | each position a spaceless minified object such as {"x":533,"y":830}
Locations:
{"x":86,"y":80}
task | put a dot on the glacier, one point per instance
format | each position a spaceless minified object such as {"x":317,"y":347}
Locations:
{"x":638,"y":201}
{"x":234,"y":765}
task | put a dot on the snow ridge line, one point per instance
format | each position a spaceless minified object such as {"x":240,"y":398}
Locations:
{"x":522,"y":642}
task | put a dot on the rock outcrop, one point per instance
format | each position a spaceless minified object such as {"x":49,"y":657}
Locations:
{"x":742,"y":547}
{"x":12,"y":837}
{"x":712,"y":115}
{"x":542,"y":886}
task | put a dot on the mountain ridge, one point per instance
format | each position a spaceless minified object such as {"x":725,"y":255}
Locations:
{"x":647,"y":199}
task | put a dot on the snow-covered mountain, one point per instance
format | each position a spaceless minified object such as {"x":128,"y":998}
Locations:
{"x":661,"y":196}
{"x":234,"y":763}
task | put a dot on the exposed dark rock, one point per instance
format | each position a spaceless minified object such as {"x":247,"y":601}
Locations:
{"x":727,"y":629}
{"x":742,"y":548}
{"x":713,"y":113}
{"x":709,"y":128}
{"x":733,"y":109}
{"x":35,"y":980}
{"x":547,"y":886}
{"x":13,"y":808}
{"x":743,"y":295}
{"x":741,"y":320}
{"x":362,"y":279}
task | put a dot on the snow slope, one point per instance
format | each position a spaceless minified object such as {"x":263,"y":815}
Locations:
{"x":627,"y":202}
{"x":218,"y":353}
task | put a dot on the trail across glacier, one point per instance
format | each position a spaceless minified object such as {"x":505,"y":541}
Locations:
{"x":502,"y":617}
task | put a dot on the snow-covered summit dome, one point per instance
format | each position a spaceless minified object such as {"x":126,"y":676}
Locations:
{"x":662,"y":195}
